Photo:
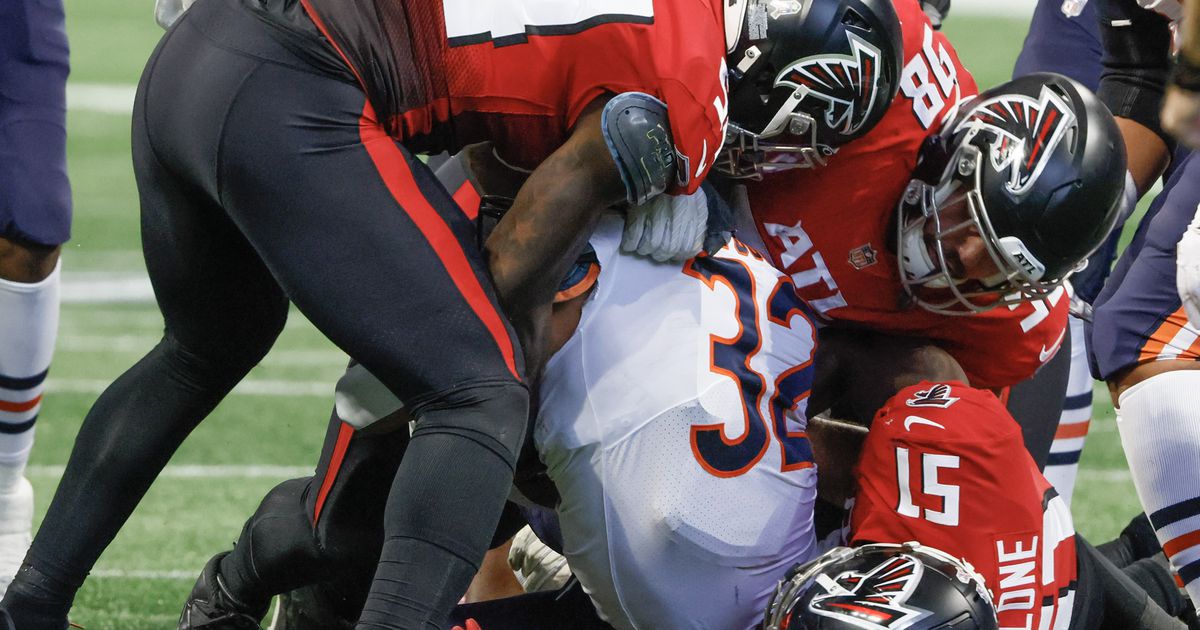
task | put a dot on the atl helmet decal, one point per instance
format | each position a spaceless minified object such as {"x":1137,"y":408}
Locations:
{"x":1026,"y":133}
{"x":848,"y":83}
{"x":876,"y":600}
{"x":936,"y":396}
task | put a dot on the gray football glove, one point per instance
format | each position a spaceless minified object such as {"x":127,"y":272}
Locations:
{"x":937,"y":10}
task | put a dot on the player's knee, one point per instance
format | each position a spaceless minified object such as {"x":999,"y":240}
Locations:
{"x":26,"y":262}
{"x":208,"y":368}
{"x":492,"y":415}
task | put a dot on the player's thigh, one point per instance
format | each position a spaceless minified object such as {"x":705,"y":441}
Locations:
{"x":1139,"y":318}
{"x":1057,"y":43}
{"x":362,"y":237}
{"x":35,"y":198}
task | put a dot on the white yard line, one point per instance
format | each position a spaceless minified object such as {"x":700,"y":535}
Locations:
{"x":105,"y":98}
{"x":199,"y":471}
{"x":253,"y":387}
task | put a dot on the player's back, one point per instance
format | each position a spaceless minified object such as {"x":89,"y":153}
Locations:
{"x":519,"y":73}
{"x":945,"y":465}
{"x":687,"y":485}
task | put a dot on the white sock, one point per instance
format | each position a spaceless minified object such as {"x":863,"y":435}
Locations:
{"x":1062,"y":466}
{"x":30,"y":316}
{"x":1159,"y":424}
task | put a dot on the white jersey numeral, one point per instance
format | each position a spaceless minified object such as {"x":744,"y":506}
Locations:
{"x":473,"y":21}
{"x":929,"y":94}
{"x":931,"y":463}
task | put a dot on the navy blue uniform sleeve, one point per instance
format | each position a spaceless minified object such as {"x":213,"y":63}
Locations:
{"x":1137,"y":61}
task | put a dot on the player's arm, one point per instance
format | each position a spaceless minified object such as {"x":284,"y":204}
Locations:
{"x":551,"y":219}
{"x":1137,"y":61}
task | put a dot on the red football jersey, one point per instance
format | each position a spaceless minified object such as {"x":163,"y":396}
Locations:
{"x":945,"y":465}
{"x":832,"y":228}
{"x":520,"y":72}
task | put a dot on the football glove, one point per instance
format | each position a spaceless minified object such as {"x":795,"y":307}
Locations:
{"x":668,"y":228}
{"x":471,"y":625}
{"x":1187,"y":271}
{"x":937,"y":10}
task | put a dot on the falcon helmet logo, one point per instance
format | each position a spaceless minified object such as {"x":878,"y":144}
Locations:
{"x":936,"y":396}
{"x":875,"y":600}
{"x":849,"y":84}
{"x":1025,"y":133}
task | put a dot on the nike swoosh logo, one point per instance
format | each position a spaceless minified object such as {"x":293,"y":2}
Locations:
{"x":911,"y":420}
{"x":1046,"y":353}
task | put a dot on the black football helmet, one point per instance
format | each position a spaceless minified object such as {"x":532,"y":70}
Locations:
{"x":883,"y":587}
{"x":805,"y":77}
{"x":1040,"y":164}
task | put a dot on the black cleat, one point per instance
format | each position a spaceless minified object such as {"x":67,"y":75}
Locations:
{"x":211,"y":607}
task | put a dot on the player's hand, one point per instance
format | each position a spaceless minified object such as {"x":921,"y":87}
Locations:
{"x":1187,"y":271}
{"x":668,"y":228}
{"x":471,"y":625}
{"x":167,"y":11}
{"x":937,"y":10}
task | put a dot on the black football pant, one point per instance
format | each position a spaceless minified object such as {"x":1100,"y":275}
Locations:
{"x":263,"y":179}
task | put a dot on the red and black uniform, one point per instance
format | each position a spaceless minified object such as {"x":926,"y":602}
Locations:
{"x":441,"y":75}
{"x":836,"y":238}
{"x":945,"y":465}
{"x":266,"y":178}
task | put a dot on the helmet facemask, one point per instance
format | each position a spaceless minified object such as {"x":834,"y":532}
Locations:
{"x":930,"y":216}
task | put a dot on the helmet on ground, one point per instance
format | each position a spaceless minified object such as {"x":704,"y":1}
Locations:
{"x":882,"y":587}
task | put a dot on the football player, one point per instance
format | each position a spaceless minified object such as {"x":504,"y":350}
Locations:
{"x":944,"y":466}
{"x":35,"y":220}
{"x":1142,"y":337}
{"x":274,"y":149}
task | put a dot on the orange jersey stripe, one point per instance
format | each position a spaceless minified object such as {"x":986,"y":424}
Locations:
{"x":1161,"y":336}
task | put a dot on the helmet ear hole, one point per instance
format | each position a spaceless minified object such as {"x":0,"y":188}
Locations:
{"x":855,"y":20}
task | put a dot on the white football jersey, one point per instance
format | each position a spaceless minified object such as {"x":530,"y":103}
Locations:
{"x":672,"y":423}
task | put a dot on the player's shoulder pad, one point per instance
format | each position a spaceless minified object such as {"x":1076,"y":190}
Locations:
{"x":638,"y":135}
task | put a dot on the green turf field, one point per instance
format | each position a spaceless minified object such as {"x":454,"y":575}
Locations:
{"x":271,"y":428}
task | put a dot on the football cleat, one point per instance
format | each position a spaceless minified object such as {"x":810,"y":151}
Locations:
{"x":307,"y":608}
{"x":211,"y":607}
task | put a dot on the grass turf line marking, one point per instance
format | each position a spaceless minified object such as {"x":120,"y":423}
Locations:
{"x":198,"y":471}
{"x":250,"y":387}
{"x":104,"y":98}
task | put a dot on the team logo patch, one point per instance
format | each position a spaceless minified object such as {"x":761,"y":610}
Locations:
{"x":848,"y":83}
{"x":1025,"y":132}
{"x":862,"y":257}
{"x":936,"y":396}
{"x":877,"y":599}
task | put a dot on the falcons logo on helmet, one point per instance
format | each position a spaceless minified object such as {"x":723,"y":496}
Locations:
{"x":1025,"y":132}
{"x":848,"y":83}
{"x":876,"y":600}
